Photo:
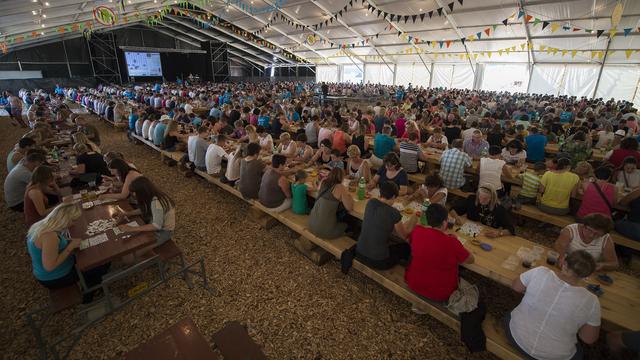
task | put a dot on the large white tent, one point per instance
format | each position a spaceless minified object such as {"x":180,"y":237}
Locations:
{"x":571,"y":47}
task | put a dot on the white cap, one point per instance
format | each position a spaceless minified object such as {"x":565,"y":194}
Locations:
{"x":621,"y":132}
{"x":165,"y":118}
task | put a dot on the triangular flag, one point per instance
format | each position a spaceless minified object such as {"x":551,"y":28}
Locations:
{"x":576,"y":29}
{"x":475,"y":56}
{"x":441,"y":44}
{"x":554,"y":51}
{"x":489,"y":54}
{"x":593,"y":54}
{"x":414,"y":17}
{"x":554,"y":27}
{"x":450,"y":6}
{"x":628,"y":53}
{"x":494,"y":27}
{"x":536,"y":21}
{"x":406,"y":17}
{"x":528,"y":18}
{"x":430,"y":14}
{"x":542,"y":47}
{"x":460,"y":1}
{"x":520,"y":13}
{"x":505,"y":22}
{"x":448,"y":42}
{"x":573,"y":53}
{"x":462,"y":40}
{"x":439,"y":11}
{"x":613,"y":32}
{"x":500,"y":52}
{"x":599,"y":32}
{"x":487,"y":31}
{"x":522,"y":46}
{"x":627,"y":31}
{"x":564,"y":52}
{"x":479,"y":35}
{"x":422,"y":17}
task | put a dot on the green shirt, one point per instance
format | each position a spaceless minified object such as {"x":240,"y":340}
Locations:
{"x":299,"y":203}
{"x":530,"y":184}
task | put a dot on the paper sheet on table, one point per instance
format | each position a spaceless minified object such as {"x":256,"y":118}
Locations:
{"x":117,"y":231}
{"x":93,"y":241}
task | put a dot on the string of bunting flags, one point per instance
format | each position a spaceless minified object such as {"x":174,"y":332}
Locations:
{"x":556,"y":25}
{"x":207,"y":20}
{"x":507,"y":51}
{"x":399,"y":17}
{"x":299,"y":26}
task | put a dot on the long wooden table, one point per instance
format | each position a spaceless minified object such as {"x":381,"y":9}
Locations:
{"x":620,"y":303}
{"x":116,"y":247}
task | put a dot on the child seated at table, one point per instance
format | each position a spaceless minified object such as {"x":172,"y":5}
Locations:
{"x":629,"y":176}
{"x":530,"y":184}
{"x":336,"y":160}
{"x":299,"y":190}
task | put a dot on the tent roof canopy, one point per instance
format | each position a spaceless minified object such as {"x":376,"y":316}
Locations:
{"x":351,"y":31}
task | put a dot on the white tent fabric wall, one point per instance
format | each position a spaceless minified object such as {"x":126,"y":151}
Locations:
{"x":463,"y":77}
{"x":546,"y":79}
{"x":441,"y":75}
{"x":580,"y":80}
{"x":378,"y":74}
{"x":327,"y":73}
{"x":618,"y":82}
{"x":414,"y":73}
{"x":505,"y":77}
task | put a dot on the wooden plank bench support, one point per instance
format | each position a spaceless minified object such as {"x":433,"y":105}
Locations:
{"x":313,"y":252}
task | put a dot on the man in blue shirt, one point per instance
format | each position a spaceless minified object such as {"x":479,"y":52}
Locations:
{"x":382,"y":145}
{"x":215,"y":112}
{"x":535,"y":145}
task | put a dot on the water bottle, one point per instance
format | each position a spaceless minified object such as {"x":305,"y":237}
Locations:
{"x":561,"y":140}
{"x":55,"y":154}
{"x":362,"y":184}
{"x":423,"y":216}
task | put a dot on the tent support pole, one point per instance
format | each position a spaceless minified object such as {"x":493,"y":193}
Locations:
{"x":604,"y":59}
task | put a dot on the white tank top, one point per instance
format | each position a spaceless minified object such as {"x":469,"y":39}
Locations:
{"x":595,"y":248}
{"x":491,"y":172}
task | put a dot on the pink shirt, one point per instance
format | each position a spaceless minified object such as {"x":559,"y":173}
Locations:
{"x":592,"y":201}
{"x":400,"y":126}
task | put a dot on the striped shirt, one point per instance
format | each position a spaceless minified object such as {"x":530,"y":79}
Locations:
{"x":409,"y":156}
{"x":530,"y":184}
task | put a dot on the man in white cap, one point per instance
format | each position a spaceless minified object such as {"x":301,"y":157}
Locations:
{"x":158,"y":131}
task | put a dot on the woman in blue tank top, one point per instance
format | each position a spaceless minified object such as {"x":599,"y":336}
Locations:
{"x":51,"y":251}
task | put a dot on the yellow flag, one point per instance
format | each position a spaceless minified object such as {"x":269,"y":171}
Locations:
{"x":628,"y":53}
{"x":611,"y":52}
{"x":564,"y":52}
{"x":542,"y":47}
{"x":489,"y":54}
{"x":513,"y":48}
{"x":554,"y":27}
{"x":613,"y":32}
{"x":522,"y":46}
{"x":466,"y":55}
{"x":500,"y":52}
{"x":530,"y":46}
{"x":554,"y":51}
{"x":593,"y":54}
{"x":475,"y":56}
{"x":600,"y":54}
{"x":573,"y":53}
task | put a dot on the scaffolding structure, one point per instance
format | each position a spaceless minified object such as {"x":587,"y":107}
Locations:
{"x":104,"y":58}
{"x":219,"y":61}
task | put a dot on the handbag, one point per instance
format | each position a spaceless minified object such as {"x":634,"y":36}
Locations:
{"x":464,"y":299}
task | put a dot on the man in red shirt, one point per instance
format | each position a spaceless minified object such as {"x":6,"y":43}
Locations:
{"x":435,"y":256}
{"x":628,"y":147}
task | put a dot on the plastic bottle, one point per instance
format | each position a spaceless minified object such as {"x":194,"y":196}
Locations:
{"x":362,"y":184}
{"x":561,"y":140}
{"x":423,"y":216}
{"x":55,"y":153}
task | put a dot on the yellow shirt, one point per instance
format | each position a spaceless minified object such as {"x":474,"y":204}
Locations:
{"x":557,"y":188}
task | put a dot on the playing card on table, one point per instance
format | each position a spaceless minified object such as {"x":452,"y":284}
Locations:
{"x":93,"y":241}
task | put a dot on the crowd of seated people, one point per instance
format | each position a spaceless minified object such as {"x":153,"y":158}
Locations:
{"x":505,"y":136}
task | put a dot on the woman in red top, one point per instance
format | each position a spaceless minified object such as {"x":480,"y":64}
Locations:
{"x":36,"y":201}
{"x":341,"y":139}
{"x":628,"y":147}
{"x":593,"y":201}
{"x":435,"y":256}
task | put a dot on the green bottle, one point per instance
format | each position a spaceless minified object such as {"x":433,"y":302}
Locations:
{"x":362,"y":185}
{"x":423,"y":216}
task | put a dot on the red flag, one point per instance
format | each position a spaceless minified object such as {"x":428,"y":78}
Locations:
{"x":528,"y":18}
{"x":487,"y":31}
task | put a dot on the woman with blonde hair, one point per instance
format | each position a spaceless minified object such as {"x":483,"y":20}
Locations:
{"x":485,"y":208}
{"x":252,"y":135}
{"x":51,"y":248}
{"x":36,"y":201}
{"x":411,"y":127}
{"x":81,"y":138}
{"x":357,"y":167}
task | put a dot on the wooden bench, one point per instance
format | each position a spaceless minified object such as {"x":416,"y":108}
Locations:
{"x":393,"y":279}
{"x":233,"y":342}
